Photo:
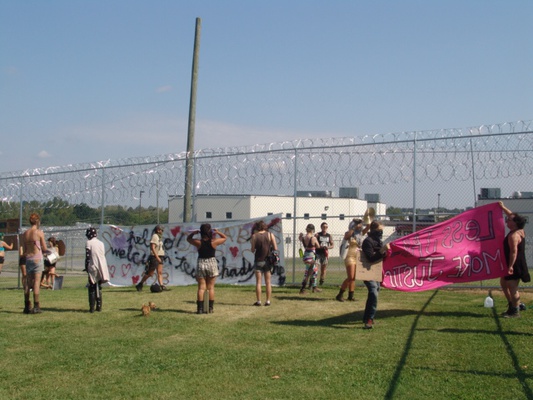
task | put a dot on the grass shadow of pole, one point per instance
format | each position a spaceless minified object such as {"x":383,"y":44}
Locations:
{"x":520,"y":374}
{"x":394,"y":381}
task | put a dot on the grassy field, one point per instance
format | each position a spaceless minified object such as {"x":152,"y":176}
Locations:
{"x":441,"y":344}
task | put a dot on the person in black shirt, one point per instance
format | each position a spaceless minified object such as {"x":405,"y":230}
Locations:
{"x":207,"y":270}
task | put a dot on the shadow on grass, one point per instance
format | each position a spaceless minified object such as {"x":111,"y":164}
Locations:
{"x":303,"y":297}
{"x":407,"y":348}
{"x":337,"y":322}
{"x":519,"y":372}
{"x":479,"y":331}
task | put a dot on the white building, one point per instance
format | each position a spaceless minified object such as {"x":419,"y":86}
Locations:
{"x":336,"y":211}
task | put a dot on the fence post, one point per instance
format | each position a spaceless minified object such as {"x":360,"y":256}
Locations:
{"x":414,"y":182}
{"x":295,"y":199}
{"x":102,"y":203}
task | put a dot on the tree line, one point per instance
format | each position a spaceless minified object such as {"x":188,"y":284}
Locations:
{"x":59,"y":212}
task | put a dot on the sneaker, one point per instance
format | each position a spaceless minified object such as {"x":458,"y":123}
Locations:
{"x":369,"y":324}
{"x":257,"y":303}
{"x":522,"y":307}
{"x":316,"y":290}
{"x":139,"y":287}
{"x":512,"y":315}
{"x":267,"y":303}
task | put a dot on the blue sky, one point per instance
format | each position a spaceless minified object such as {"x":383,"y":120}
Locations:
{"x":85,"y":81}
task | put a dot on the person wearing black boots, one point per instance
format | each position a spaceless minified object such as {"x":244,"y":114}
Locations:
{"x":96,"y":267}
{"x":207,"y":269}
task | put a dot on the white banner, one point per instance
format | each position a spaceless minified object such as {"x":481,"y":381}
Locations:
{"x":127,"y":250}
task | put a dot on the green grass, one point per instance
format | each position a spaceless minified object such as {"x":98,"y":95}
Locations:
{"x":441,"y":344}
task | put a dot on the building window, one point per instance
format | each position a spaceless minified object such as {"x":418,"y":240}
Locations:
{"x":229,"y":215}
{"x":306,"y":216}
{"x":270,"y":213}
{"x":341,"y":217}
{"x":324,"y":216}
{"x":288,"y":215}
{"x":208,"y":215}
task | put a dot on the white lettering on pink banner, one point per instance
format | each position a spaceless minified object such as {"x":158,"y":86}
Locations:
{"x":466,"y":248}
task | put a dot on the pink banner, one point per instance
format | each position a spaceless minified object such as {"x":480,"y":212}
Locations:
{"x":466,"y":248}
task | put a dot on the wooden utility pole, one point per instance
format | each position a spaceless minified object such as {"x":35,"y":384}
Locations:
{"x":189,"y":165}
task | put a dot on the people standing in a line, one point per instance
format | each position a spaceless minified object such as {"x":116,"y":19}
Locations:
{"x":354,"y":236}
{"x":48,"y":277}
{"x":3,"y":247}
{"x":374,"y":251}
{"x":155,"y":260}
{"x":96,"y":267}
{"x":261,"y":243}
{"x":207,"y":267}
{"x":514,"y":247}
{"x":322,"y":252}
{"x":310,"y":244}
{"x":34,"y":248}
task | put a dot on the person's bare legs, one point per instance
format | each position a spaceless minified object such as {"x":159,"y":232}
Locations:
{"x":268,"y":284}
{"x":258,"y":285}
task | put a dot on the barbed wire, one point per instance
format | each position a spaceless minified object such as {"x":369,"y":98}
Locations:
{"x":485,"y":152}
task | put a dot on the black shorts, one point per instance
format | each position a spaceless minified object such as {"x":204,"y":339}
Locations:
{"x":151,"y":263}
{"x":2,"y":259}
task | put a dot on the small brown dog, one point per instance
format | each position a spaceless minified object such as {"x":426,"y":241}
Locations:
{"x":145,"y":310}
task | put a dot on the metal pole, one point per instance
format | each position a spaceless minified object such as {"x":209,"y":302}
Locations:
{"x":295,"y":197}
{"x":414,"y":184}
{"x":473,"y":171}
{"x":157,"y":199}
{"x":102,"y":203}
{"x":189,"y":164}
{"x":140,"y":204}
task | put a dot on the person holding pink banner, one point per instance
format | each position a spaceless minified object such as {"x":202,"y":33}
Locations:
{"x":515,"y":254}
{"x":374,"y":251}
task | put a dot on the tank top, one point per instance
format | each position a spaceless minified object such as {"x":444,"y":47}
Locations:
{"x":520,"y":270}
{"x":262,"y":246}
{"x":206,"y":250}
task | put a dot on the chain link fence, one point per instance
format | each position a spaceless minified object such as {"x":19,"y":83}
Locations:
{"x":418,"y":177}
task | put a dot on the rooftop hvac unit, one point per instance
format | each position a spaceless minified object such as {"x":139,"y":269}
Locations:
{"x":372,"y":197}
{"x":490,"y":193}
{"x":349,"y":193}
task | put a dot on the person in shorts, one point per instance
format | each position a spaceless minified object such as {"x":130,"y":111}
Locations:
{"x":322,"y":252}
{"x":3,"y":247}
{"x":310,"y":244}
{"x":155,"y":260}
{"x":207,"y":269}
{"x":34,"y":247}
{"x":262,"y":242}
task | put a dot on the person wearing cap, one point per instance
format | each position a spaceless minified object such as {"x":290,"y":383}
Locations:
{"x":155,"y":260}
{"x":96,"y":267}
{"x":310,"y":244}
{"x":3,"y":247}
{"x":354,"y":236}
